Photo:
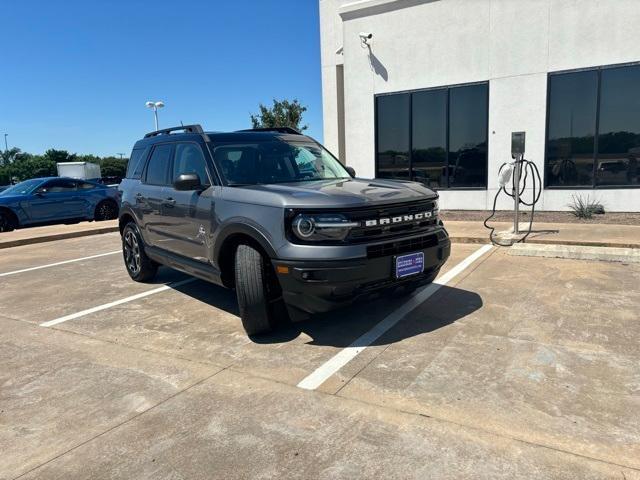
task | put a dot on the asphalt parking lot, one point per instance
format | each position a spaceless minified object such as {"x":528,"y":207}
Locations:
{"x":518,"y":367}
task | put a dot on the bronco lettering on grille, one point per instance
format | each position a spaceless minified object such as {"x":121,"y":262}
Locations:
{"x":415,"y":217}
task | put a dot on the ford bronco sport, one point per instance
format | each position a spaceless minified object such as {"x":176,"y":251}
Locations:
{"x":273,"y":214}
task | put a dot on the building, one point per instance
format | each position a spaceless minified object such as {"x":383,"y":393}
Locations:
{"x":436,"y":91}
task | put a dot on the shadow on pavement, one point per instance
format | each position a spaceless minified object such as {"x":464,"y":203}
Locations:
{"x":340,"y":328}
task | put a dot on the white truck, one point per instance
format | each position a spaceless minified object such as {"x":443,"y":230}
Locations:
{"x":81,"y":170}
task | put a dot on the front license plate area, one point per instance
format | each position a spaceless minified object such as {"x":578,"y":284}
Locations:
{"x":409,"y":264}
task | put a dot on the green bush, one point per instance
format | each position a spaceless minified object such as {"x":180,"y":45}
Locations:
{"x":585,"y":207}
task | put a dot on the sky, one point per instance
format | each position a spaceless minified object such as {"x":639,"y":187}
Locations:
{"x":75,"y":75}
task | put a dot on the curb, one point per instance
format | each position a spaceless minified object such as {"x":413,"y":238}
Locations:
{"x":56,"y":236}
{"x":603,"y":254}
{"x":576,"y":243}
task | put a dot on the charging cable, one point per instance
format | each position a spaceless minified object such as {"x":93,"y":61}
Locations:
{"x":505,"y":176}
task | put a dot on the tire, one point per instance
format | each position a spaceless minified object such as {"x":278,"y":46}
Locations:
{"x":139,"y":267}
{"x":7,"y":221}
{"x":255,"y":294}
{"x":106,"y":210}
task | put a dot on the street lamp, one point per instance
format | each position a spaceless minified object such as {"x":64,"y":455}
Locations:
{"x":6,"y":147}
{"x":155,"y":106}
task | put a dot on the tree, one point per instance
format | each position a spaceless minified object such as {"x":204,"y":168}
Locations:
{"x":57,"y":156}
{"x":8,"y":156}
{"x":113,"y":167}
{"x":283,"y":114}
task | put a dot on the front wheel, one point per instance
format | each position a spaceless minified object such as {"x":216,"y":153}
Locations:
{"x":256,"y":296}
{"x":139,"y":267}
{"x":7,"y":222}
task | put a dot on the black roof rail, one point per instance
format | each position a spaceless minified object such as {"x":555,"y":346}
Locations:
{"x":290,"y":130}
{"x":166,"y":131}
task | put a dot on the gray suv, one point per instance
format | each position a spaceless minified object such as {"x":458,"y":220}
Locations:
{"x":273,"y":214}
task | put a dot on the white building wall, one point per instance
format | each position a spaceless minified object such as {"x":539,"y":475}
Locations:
{"x":513,"y":44}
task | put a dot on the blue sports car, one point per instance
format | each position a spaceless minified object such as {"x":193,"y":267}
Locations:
{"x":41,"y":201}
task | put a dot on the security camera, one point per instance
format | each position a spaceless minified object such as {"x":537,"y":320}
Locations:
{"x":365,"y":37}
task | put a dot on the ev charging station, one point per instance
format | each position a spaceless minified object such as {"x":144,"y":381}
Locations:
{"x":518,"y":173}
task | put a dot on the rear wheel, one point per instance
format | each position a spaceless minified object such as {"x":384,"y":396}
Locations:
{"x":140,"y":267}
{"x":257,"y":291}
{"x":7,"y":221}
{"x":106,"y":210}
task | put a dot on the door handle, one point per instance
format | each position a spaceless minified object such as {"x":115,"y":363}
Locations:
{"x":169,"y":202}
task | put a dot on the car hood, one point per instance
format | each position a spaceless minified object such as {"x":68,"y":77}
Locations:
{"x":7,"y":199}
{"x":341,"y":193}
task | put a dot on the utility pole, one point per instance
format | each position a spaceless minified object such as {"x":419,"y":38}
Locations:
{"x":121,"y":155}
{"x":6,"y":146}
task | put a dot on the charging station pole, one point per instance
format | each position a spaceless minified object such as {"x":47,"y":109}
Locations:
{"x":517,"y":153}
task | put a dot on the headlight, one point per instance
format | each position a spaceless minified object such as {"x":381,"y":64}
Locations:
{"x":321,"y":227}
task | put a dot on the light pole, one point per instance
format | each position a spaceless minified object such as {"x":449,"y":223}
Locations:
{"x":155,"y":106}
{"x":6,"y":152}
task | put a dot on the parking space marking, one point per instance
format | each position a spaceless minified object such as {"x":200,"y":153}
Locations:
{"x":6,"y":274}
{"x":330,"y":367}
{"x":106,"y":306}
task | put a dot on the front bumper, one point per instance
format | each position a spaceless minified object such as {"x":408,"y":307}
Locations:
{"x":320,"y":286}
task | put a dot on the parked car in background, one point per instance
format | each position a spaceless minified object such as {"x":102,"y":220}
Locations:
{"x":112,"y":181}
{"x":42,"y":201}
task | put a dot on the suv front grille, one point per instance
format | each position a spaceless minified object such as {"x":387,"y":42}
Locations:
{"x":402,"y":246}
{"x":367,"y":234}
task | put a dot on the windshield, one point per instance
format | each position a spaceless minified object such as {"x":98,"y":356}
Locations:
{"x":22,"y":188}
{"x":276,"y":162}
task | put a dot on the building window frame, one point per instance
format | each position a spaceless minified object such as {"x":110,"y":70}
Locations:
{"x":447,"y":88}
{"x":594,"y":186}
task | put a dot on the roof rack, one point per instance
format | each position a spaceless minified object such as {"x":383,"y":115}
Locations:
{"x":166,"y":131}
{"x":290,"y":130}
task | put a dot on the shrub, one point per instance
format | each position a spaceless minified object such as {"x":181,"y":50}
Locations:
{"x":585,"y":207}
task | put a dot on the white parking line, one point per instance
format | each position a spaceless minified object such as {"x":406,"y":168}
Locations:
{"x":6,"y":274}
{"x":326,"y":370}
{"x":106,"y":306}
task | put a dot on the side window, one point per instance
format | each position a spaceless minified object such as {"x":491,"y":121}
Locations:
{"x":136,"y":162}
{"x":158,"y":167}
{"x":86,"y":186}
{"x":239,"y":163}
{"x":190,"y":159}
{"x":58,"y":186}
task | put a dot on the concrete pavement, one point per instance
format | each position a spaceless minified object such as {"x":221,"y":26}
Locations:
{"x":518,"y":368}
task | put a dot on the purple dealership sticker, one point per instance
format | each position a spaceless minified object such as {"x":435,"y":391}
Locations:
{"x":409,"y":264}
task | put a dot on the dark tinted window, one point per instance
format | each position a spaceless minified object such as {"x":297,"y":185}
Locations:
{"x":572,"y":124}
{"x":135,"y":166}
{"x":424,"y":119}
{"x":429,"y":134}
{"x":619,"y":127}
{"x":58,"y":186}
{"x":276,"y":162}
{"x":86,"y":186}
{"x":393,"y":136}
{"x":190,"y":159}
{"x":158,"y":167}
{"x":468,"y":136}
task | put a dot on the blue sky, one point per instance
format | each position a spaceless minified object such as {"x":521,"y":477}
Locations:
{"x":75,"y":74}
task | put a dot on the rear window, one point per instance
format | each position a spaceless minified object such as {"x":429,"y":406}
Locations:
{"x":158,"y":167}
{"x":136,"y":162}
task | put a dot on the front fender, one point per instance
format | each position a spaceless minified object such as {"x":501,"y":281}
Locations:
{"x":244,"y":227}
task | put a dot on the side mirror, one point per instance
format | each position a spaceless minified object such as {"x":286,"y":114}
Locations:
{"x":351,"y":171}
{"x":187,"y":181}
